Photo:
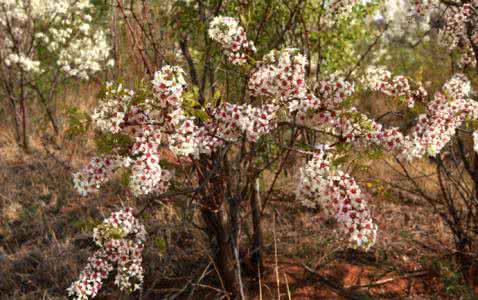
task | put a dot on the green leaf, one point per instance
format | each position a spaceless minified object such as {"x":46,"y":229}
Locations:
{"x":161,"y":244}
{"x":200,"y":114}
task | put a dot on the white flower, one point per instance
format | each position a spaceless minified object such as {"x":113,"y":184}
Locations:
{"x":339,"y":194}
{"x":475,"y":141}
{"x":121,"y":240}
{"x":84,"y":53}
{"x":232,"y":37}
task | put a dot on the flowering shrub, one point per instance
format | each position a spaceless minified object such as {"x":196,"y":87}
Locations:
{"x":161,"y":121}
{"x":444,"y":114}
{"x":40,"y":36}
{"x":140,"y":125}
{"x":45,"y":44}
{"x":121,"y":240}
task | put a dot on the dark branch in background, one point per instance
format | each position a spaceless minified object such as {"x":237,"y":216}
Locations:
{"x":207,"y":53}
{"x":319,"y":42}
{"x":264,"y":19}
{"x":136,"y":44}
{"x":461,"y":148}
{"x":290,"y":24}
{"x":183,"y":43}
{"x":335,"y":286}
{"x":393,"y":113}
{"x":149,"y":33}
{"x":279,"y":170}
{"x":366,"y":53}
{"x":305,"y":39}
{"x":50,"y":154}
{"x":450,"y":3}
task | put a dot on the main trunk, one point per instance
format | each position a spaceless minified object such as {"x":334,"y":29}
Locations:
{"x":25,"y":134}
{"x":16,"y":122}
{"x":220,"y":215}
{"x":257,"y":239}
{"x":219,"y":238}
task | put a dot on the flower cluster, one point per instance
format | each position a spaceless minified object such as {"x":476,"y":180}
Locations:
{"x":96,"y":173}
{"x":117,"y":115}
{"x":123,"y":112}
{"x":435,"y":128}
{"x":334,"y":91}
{"x":110,"y":114}
{"x":234,"y":120}
{"x":121,"y":240}
{"x":232,"y":37}
{"x":227,"y":124}
{"x":150,"y":122}
{"x":341,"y":7}
{"x":458,"y":86}
{"x":460,"y":20}
{"x":339,"y":194}
{"x":22,"y":61}
{"x":379,"y":79}
{"x":389,"y":138}
{"x":147,"y":176}
{"x":304,"y":105}
{"x":281,"y":75}
{"x":168,"y":87}
{"x":407,"y":21}
{"x":189,"y":139}
{"x":321,"y":184}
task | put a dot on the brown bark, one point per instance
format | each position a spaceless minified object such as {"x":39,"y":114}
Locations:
{"x":50,"y":112}
{"x":257,"y":238}
{"x":25,"y":136}
{"x":16,"y":120}
{"x":224,"y":255}
{"x":222,"y":228}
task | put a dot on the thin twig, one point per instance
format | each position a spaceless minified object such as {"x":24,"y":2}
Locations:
{"x":388,"y":280}
{"x":287,"y":286}
{"x":136,"y":43}
{"x":276,"y":266}
{"x":334,"y":286}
